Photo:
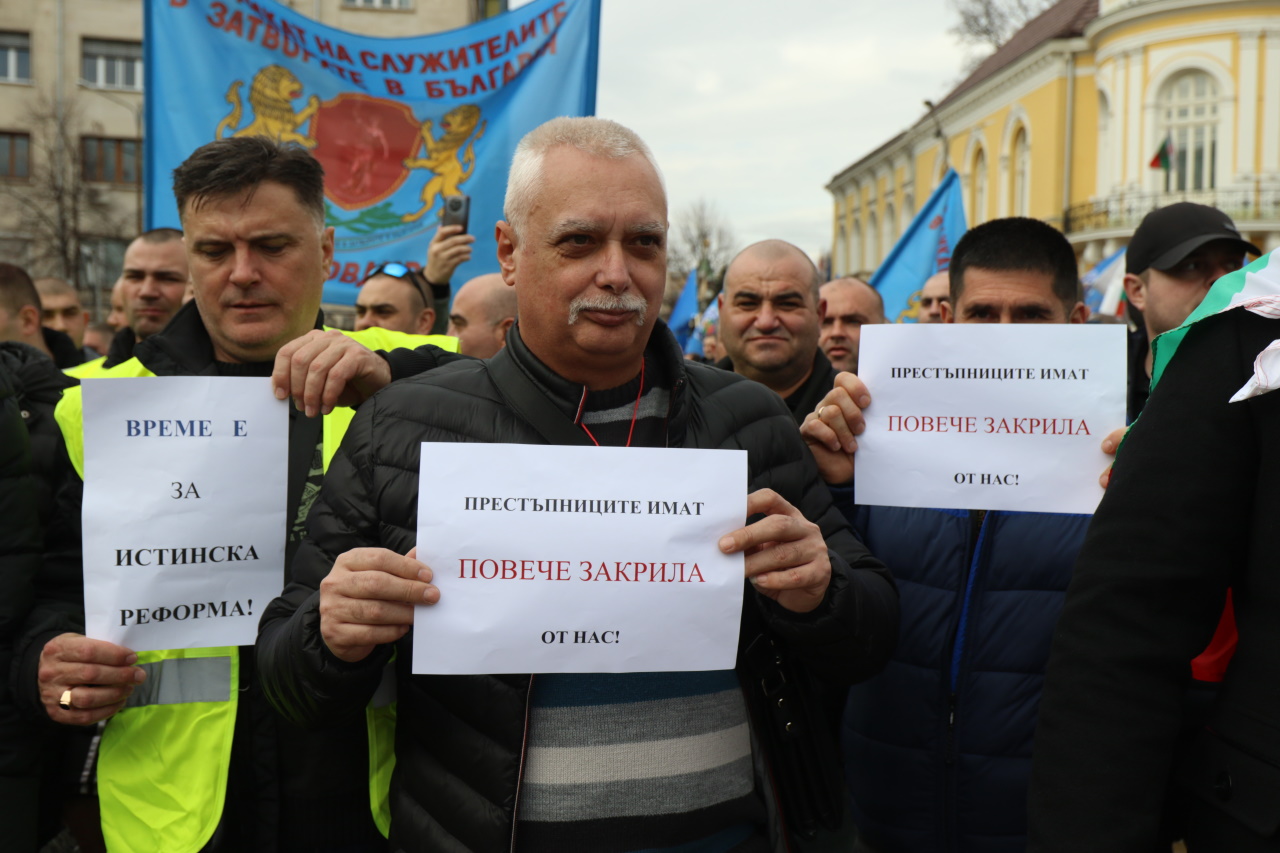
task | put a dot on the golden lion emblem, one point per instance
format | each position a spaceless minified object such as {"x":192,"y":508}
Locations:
{"x":912,"y":311}
{"x":441,"y":155}
{"x":272,"y":95}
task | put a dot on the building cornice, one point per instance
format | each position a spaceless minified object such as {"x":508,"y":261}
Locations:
{"x":1100,"y":25}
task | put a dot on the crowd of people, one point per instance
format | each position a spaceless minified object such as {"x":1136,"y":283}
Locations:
{"x":887,"y":696}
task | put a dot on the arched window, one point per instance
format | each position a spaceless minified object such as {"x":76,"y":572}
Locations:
{"x":1020,"y":187}
{"x":978,"y":188}
{"x":1188,"y":117}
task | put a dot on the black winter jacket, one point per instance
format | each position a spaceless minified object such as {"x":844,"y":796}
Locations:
{"x":38,"y":384}
{"x":459,"y":742}
{"x":19,"y":562}
{"x":1192,"y":510}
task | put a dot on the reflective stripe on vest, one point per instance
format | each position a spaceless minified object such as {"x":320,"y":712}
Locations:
{"x":164,"y":759}
{"x":171,"y":682}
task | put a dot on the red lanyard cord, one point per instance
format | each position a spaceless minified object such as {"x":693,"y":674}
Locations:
{"x":634,"y":411}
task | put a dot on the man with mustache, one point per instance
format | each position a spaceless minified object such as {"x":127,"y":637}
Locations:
{"x":594,"y":761}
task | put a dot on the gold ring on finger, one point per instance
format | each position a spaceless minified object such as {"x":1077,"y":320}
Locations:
{"x":64,"y":702}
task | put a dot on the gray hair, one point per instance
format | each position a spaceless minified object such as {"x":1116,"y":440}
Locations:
{"x":596,"y":136}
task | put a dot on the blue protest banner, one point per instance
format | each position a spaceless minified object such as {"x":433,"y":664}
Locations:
{"x":685,"y":310}
{"x":924,"y":249}
{"x":397,"y":123}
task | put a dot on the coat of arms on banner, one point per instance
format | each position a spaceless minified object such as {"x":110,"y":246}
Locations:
{"x":399,"y":124}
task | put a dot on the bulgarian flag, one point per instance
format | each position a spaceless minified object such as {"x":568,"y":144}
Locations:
{"x":1164,"y":155}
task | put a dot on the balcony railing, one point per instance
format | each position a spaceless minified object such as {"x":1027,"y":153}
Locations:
{"x":1124,"y":212}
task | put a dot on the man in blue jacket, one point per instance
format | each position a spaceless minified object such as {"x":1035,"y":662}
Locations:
{"x":937,"y":748}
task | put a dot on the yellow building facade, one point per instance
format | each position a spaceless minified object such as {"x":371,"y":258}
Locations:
{"x":1063,"y":121}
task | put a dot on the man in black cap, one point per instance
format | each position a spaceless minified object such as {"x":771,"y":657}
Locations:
{"x":1176,"y":254}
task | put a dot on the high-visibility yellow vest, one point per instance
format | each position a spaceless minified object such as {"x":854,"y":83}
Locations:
{"x":89,"y":368}
{"x":164,"y":758}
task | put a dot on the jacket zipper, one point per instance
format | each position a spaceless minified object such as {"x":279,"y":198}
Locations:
{"x":524,"y":750}
{"x":953,"y":684}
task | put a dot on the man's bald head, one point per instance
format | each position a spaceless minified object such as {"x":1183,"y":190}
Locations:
{"x":769,"y":314}
{"x":850,"y":304}
{"x":483,"y":311}
{"x":936,"y":290}
{"x":776,"y":251}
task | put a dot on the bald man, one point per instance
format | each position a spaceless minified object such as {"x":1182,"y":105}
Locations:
{"x":484,"y":310}
{"x":936,"y":290}
{"x":851,"y":303}
{"x":770,"y":313}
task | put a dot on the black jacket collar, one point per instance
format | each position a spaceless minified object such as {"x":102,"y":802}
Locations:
{"x":121,"y":347}
{"x":183,"y":347}
{"x":821,"y":379}
{"x":803,"y":400}
{"x":663,"y":354}
{"x":65,"y":352}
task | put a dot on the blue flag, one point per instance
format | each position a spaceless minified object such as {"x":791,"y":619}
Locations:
{"x":685,"y":310}
{"x":710,"y":319}
{"x":398,"y":124}
{"x":924,"y":249}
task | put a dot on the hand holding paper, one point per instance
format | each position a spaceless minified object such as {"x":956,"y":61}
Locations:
{"x":98,"y":675}
{"x":323,"y":369}
{"x":368,"y":599}
{"x":830,"y":429}
{"x":786,"y":556}
{"x":1110,"y":445}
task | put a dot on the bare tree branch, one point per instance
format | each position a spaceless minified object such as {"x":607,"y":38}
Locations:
{"x":701,"y":240}
{"x":989,"y":24}
{"x":62,"y":210}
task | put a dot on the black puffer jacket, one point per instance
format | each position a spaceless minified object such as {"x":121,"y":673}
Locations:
{"x":38,"y":385}
{"x":459,"y":739}
{"x":19,"y":562}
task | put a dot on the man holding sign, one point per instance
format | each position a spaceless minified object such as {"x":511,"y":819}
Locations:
{"x":938,"y":747}
{"x":192,"y":757}
{"x":618,"y":762}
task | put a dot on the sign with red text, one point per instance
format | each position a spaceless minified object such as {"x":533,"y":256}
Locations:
{"x":579,"y":559}
{"x":989,"y":416}
{"x":184,"y":509}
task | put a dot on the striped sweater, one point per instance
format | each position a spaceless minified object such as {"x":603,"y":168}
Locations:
{"x":640,"y":761}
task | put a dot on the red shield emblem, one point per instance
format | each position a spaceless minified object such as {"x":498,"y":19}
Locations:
{"x":362,"y":143}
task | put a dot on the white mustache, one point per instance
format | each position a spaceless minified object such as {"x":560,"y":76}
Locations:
{"x":600,"y":302}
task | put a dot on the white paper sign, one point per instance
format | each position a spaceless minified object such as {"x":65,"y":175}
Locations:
{"x":579,"y":559}
{"x":989,"y":416}
{"x":184,"y":509}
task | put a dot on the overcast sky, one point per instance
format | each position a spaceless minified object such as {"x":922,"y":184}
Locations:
{"x":755,"y":105}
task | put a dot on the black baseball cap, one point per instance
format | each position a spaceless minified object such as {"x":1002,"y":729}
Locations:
{"x":1168,"y":234}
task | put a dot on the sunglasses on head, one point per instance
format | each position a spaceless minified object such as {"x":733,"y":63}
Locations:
{"x":395,"y":269}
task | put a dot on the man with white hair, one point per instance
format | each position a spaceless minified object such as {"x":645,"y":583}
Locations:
{"x":591,"y":761}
